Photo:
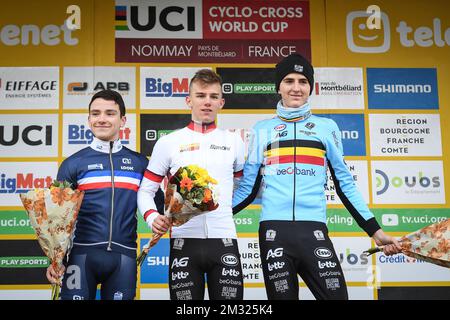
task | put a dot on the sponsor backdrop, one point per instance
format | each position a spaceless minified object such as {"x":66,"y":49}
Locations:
{"x":381,"y":75}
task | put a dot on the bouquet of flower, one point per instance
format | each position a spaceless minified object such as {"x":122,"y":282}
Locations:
{"x":431,"y":244}
{"x":53,"y":212}
{"x":189,"y":193}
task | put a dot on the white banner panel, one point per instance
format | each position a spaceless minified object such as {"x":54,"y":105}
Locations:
{"x":401,"y":268}
{"x":408,"y":182}
{"x":338,"y":88}
{"x":358,"y":169}
{"x":250,"y":260}
{"x":29,"y":88}
{"x":165,"y":88}
{"x":29,"y":135}
{"x":81,"y":83}
{"x":405,"y":135}
{"x":20,"y":177}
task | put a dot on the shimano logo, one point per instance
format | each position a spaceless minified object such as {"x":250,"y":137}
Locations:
{"x":402,"y":88}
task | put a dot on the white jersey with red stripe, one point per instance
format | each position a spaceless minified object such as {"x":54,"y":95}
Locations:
{"x":220,"y":152}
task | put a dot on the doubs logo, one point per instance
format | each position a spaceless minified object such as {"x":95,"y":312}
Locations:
{"x":33,"y":135}
{"x":23,"y":182}
{"x":229,"y":260}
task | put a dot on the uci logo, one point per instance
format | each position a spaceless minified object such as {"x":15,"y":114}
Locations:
{"x":33,"y":135}
{"x":229,"y":260}
{"x":323,"y":253}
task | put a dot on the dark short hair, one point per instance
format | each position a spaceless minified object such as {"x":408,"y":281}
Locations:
{"x":110,"y":95}
{"x":206,"y":76}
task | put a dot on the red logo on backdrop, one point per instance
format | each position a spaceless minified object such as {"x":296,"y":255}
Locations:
{"x":231,"y":31}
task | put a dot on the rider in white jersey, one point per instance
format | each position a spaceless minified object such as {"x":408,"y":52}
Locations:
{"x":206,"y":244}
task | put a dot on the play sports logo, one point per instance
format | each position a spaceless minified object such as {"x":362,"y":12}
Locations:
{"x":361,"y":39}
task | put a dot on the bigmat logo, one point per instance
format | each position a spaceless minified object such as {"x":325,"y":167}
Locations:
{"x":29,"y":88}
{"x":81,"y":83}
{"x":154,"y":126}
{"x":208,"y":31}
{"x":24,"y":135}
{"x":165,"y":88}
{"x":155,"y":268}
{"x":16,"y":178}
{"x":352,"y":132}
{"x":77,"y":135}
{"x":406,"y":182}
{"x":402,"y":88}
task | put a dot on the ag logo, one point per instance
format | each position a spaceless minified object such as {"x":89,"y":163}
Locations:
{"x":323,"y":253}
{"x":180,"y":263}
{"x":229,"y":260}
{"x":278,"y":252}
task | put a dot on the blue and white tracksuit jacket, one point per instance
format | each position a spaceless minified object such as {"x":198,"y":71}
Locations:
{"x":110,"y":175}
{"x":290,"y":159}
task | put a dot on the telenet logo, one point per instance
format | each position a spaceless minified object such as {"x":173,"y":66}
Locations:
{"x":363,"y":39}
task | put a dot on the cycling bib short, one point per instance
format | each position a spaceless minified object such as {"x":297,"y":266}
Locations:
{"x":191,"y":259}
{"x":289,"y":248}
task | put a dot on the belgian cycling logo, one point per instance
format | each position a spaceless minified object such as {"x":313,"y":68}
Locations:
{"x":178,"y":244}
{"x":319,"y":235}
{"x":229,"y":260}
{"x":270,"y":235}
{"x":118,"y":295}
{"x":227,"y":242}
{"x":383,"y":182}
{"x":310,"y":125}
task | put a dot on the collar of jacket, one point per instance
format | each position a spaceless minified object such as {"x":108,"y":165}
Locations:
{"x":293,"y":114}
{"x":103,"y":146}
{"x":202,"y":127}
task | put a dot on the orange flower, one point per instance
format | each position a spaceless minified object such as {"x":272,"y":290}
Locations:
{"x":207,"y":195}
{"x":186,"y":183}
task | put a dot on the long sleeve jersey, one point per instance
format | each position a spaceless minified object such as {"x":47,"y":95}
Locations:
{"x":289,"y":161}
{"x":110,"y":175}
{"x":218,"y":151}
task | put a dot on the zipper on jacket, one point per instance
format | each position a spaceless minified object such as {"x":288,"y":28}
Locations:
{"x":111,"y":144}
{"x":295,"y":170}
